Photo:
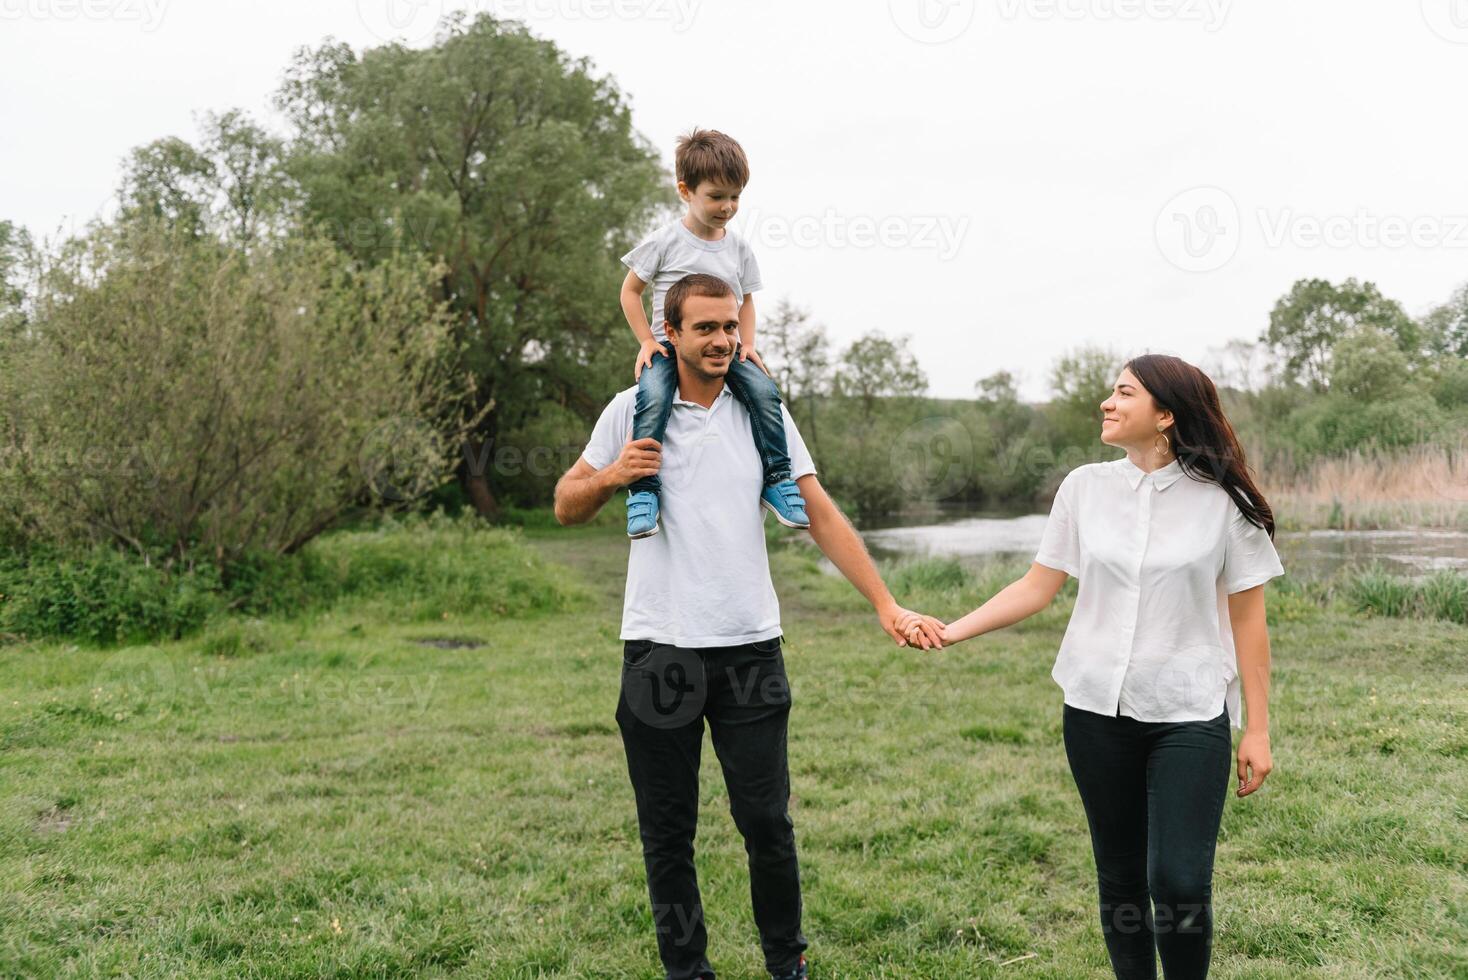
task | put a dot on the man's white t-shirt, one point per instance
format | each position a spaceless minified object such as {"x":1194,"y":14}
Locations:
{"x":672,"y":252}
{"x":704,"y":579}
{"x":1157,"y":556}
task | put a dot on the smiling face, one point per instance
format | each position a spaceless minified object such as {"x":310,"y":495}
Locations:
{"x":1129,"y":415}
{"x":711,"y":205}
{"x":705,"y":344}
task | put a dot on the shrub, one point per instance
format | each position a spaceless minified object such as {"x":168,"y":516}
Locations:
{"x":180,"y":394}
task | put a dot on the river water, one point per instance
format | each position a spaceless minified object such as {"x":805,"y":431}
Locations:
{"x":1304,"y":554}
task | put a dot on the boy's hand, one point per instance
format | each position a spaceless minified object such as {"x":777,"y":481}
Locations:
{"x":748,"y":354}
{"x":639,"y":458}
{"x":644,"y":357}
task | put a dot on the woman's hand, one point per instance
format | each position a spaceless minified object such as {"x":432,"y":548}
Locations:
{"x":644,"y":357}
{"x":913,"y":629}
{"x":1254,"y":761}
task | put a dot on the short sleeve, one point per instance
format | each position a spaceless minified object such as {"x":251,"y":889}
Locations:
{"x":801,"y":463}
{"x":1249,"y":558}
{"x":1060,"y":545}
{"x":647,"y":258}
{"x":749,"y":279}
{"x":612,"y":431}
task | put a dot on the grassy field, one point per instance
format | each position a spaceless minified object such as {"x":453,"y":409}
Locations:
{"x":392,"y":788}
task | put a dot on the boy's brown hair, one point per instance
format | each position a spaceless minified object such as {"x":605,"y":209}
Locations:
{"x":707,"y":154}
{"x":693,"y":284}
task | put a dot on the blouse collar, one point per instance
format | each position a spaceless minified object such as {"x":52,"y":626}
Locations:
{"x":1162,"y":478}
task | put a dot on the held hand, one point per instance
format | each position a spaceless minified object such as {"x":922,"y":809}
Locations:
{"x":748,"y":354}
{"x":908,"y":628}
{"x":639,"y":458}
{"x":644,"y":357}
{"x":1254,"y":761}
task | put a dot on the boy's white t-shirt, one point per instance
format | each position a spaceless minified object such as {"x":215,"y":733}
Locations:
{"x":672,"y":252}
{"x":704,"y":579}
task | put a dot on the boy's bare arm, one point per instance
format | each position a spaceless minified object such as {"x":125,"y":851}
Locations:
{"x":632,"y":289}
{"x":746,"y":322}
{"x":747,"y":350}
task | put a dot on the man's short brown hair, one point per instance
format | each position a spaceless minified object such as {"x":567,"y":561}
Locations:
{"x":693,"y":284}
{"x":707,"y":154}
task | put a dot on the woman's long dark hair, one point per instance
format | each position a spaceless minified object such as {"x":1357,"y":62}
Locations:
{"x":1201,"y":435}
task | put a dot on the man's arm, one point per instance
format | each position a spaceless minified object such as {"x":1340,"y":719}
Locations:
{"x":582,"y":491}
{"x":835,"y":536}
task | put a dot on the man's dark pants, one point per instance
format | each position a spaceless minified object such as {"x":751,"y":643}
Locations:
{"x":666,"y":694}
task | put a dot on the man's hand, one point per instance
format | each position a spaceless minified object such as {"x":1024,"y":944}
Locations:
{"x":908,"y":628}
{"x":748,"y":354}
{"x":644,"y":357}
{"x":639,"y":458}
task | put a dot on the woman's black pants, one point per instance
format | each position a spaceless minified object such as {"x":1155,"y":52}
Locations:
{"x":1153,"y":793}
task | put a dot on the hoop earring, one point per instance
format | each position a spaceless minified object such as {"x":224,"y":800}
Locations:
{"x":1166,"y":444}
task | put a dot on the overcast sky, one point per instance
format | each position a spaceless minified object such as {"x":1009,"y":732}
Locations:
{"x":1002,"y":180}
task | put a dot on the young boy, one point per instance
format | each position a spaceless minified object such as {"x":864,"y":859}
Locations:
{"x":711,"y":170}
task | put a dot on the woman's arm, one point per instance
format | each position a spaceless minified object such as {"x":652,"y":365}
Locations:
{"x":1251,"y":646}
{"x":1018,"y":600}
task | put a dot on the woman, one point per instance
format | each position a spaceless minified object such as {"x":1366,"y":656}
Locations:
{"x":1172,"y":546}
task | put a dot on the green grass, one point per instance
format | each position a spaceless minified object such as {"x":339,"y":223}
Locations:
{"x":414,"y":783}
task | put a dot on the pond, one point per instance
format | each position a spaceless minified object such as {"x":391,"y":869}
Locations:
{"x":1304,"y":554}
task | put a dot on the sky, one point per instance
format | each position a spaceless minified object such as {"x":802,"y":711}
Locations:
{"x":1001,"y":181}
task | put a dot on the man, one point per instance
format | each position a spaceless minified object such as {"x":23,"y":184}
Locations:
{"x":701,"y":630}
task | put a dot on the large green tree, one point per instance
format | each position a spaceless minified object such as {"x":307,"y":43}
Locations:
{"x":520,"y":168}
{"x":1309,"y":320}
{"x":1446,"y":327}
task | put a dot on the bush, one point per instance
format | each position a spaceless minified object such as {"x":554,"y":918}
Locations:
{"x":175,"y":394}
{"x":104,"y":596}
{"x":427,"y":566}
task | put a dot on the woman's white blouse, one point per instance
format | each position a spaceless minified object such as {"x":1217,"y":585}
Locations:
{"x":1156,"y":555}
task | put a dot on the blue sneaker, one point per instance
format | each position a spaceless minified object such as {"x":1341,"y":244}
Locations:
{"x":785,"y":502}
{"x":642,"y":514}
{"x":799,"y":973}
